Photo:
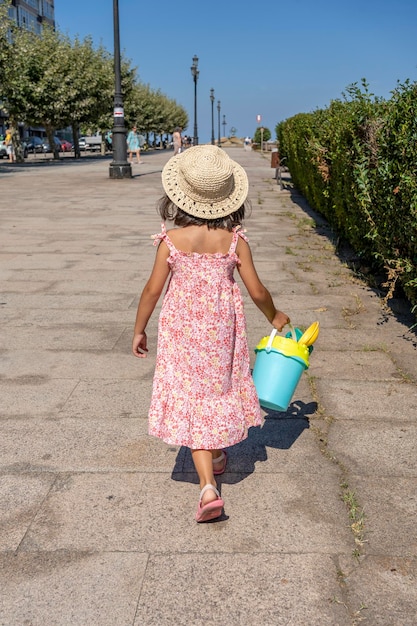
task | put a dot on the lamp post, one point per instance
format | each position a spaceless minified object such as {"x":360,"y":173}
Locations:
{"x":224,"y":126}
{"x":195,"y":73}
{"x":119,"y":167}
{"x":218,"y":116}
{"x":212,"y":116}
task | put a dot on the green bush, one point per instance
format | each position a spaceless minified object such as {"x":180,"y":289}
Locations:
{"x":258,"y":135}
{"x":356,"y":163}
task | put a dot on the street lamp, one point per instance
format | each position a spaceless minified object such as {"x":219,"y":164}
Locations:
{"x":218,"y":116}
{"x":224,"y":126}
{"x":119,"y":167}
{"x":212,"y":116}
{"x":195,"y":73}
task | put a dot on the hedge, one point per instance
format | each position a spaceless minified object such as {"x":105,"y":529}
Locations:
{"x":356,"y":163}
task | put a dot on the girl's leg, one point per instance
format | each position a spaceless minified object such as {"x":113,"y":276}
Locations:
{"x":203,"y":462}
{"x":219,"y":461}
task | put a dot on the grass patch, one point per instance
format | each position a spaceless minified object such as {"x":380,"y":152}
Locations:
{"x":356,"y":516}
{"x":289,"y":251}
{"x":354,"y":508}
{"x":305,"y":223}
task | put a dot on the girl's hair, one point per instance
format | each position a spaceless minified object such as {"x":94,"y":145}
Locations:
{"x":169,"y":211}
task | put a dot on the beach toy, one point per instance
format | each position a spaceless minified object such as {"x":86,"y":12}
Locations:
{"x":310,"y":335}
{"x":295,"y":333}
{"x":279,"y":364}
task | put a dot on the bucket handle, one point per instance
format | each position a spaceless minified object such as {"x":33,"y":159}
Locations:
{"x":293,"y":334}
{"x":270,"y":340}
{"x":273,"y":334}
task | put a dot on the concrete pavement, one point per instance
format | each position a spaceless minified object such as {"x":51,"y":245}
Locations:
{"x":96,"y":518}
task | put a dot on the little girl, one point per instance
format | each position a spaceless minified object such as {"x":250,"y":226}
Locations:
{"x":203,"y":394}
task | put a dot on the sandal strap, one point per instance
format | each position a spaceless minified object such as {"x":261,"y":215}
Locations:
{"x":206,"y":488}
{"x":220,"y":458}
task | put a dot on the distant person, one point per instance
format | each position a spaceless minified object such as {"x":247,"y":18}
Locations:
{"x":9,"y":145}
{"x":133,"y":144}
{"x":203,"y":394}
{"x":177,"y":140}
{"x":109,"y":140}
{"x":248,"y":143}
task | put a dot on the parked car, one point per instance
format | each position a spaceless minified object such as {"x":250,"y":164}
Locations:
{"x":34,"y":144}
{"x":92,"y":143}
{"x":46,"y":147}
{"x":3,"y":150}
{"x":66,"y":146}
{"x":25,"y":149}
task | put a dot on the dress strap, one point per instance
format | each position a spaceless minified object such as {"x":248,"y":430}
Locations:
{"x":163,"y":236}
{"x":237,"y":232}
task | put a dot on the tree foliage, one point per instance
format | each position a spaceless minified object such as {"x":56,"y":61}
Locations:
{"x":51,"y":81}
{"x":356,"y":163}
{"x":266,"y":135}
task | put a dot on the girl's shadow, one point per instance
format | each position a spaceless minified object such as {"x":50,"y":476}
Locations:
{"x":280,"y":430}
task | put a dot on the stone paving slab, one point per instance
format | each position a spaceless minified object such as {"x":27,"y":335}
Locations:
{"x":284,"y":445}
{"x":385,"y":586}
{"x":97,"y":517}
{"x":36,"y":395}
{"x":77,"y":445}
{"x":75,"y":301}
{"x":70,"y":588}
{"x":63,"y":337}
{"x":44,"y":317}
{"x":365,"y":364}
{"x":64,"y":364}
{"x":391,"y":505}
{"x":21,"y":496}
{"x":268,"y":589}
{"x":121,"y":512}
{"x":374,"y":400}
{"x":376,"y":448}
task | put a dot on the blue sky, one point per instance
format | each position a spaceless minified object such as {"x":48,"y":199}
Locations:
{"x":270,"y":58}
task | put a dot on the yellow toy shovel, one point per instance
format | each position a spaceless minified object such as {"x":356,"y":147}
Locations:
{"x":310,"y":335}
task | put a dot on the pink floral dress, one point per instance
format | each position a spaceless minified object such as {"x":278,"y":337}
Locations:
{"x":203,"y":393}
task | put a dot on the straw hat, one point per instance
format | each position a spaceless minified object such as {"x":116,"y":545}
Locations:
{"x":204,"y":182}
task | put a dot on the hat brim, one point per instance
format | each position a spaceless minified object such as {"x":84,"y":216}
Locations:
{"x":209,"y":210}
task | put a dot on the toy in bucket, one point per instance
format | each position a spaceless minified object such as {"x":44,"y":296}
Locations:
{"x":280,"y":362}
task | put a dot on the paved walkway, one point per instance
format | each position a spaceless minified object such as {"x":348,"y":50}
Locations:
{"x":96,"y":518}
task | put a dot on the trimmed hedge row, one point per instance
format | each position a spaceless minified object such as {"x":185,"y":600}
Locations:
{"x":356,"y":163}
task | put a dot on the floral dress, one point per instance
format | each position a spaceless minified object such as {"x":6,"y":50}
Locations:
{"x":203,"y":393}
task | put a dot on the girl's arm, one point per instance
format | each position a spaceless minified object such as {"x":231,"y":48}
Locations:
{"x":148,"y":300}
{"x":257,"y":291}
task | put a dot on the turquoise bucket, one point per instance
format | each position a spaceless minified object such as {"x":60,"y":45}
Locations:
{"x":280,"y":362}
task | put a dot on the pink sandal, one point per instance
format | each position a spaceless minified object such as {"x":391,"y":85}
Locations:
{"x":222,"y":457}
{"x":210,"y":510}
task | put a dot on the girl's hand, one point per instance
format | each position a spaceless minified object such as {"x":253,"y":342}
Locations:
{"x":280,"y":319}
{"x":139,"y":348}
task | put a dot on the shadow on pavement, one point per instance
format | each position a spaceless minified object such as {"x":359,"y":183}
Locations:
{"x":280,"y":430}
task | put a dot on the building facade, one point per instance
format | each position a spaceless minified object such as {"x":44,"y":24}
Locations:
{"x":33,"y":14}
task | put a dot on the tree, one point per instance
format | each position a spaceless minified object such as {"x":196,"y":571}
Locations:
{"x":152,"y":111}
{"x":51,"y":81}
{"x":89,"y":85}
{"x":265,"y":136}
{"x":32,"y":86}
